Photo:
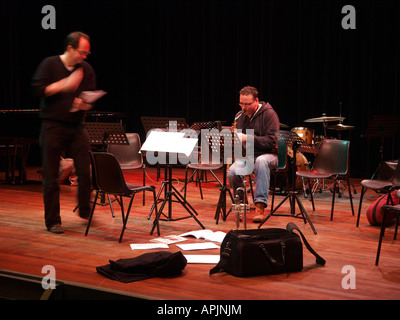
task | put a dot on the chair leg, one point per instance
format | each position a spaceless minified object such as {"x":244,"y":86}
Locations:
{"x":381,"y":235}
{"x":311,"y":194}
{"x":199,"y":180}
{"x":91,"y":213}
{"x":363,"y":190}
{"x":333,"y":198}
{"x":144,"y":183}
{"x":111,"y":206}
{"x":397,"y":225}
{"x":125,"y":219}
{"x":350,"y":196}
{"x":273,"y":193}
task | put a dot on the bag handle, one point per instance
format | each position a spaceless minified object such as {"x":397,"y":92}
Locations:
{"x":290,"y":227}
{"x":274,"y":263}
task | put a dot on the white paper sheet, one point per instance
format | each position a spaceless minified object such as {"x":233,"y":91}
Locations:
{"x":202,"y":258}
{"x":206,"y":234}
{"x":145,"y":246}
{"x":91,"y":96}
{"x":165,"y":141}
{"x":168,"y":239}
{"x":198,"y":246}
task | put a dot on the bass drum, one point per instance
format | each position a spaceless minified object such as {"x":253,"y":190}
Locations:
{"x":306,"y":134}
{"x":302,"y":164}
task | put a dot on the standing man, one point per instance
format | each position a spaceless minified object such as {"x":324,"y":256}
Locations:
{"x":59,"y":80}
{"x":261,"y":117}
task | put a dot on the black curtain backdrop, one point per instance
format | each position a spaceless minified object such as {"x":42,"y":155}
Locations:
{"x":189,"y":58}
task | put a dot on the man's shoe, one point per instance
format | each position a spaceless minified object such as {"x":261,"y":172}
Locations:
{"x":259,"y":217}
{"x":57,"y":228}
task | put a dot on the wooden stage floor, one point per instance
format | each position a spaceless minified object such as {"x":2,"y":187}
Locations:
{"x":26,"y":246}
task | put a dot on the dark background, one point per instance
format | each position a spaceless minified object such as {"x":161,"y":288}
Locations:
{"x":189,"y":58}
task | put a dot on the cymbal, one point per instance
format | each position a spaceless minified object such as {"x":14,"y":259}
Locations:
{"x":341,"y":127}
{"x":325,"y":119}
{"x":281,"y":125}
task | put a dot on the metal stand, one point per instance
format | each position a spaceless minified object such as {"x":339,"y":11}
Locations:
{"x":170,"y":143}
{"x":218,"y":144}
{"x":296,"y":142}
{"x":382,"y":126}
{"x":171,"y":192}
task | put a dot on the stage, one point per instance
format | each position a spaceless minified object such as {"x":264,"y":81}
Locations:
{"x":26,"y":247}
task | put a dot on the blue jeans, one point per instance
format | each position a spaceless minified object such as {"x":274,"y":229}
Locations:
{"x":262,"y":171}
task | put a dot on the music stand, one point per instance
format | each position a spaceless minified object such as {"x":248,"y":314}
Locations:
{"x":217,"y":144}
{"x":162,"y":123}
{"x":104,"y":133}
{"x":297,"y":143}
{"x":382,"y":126}
{"x":170,"y":143}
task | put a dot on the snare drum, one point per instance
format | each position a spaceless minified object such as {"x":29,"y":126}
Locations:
{"x":306,"y":134}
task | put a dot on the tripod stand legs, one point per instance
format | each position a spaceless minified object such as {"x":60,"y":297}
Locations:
{"x":293,"y":199}
{"x":172,"y":192}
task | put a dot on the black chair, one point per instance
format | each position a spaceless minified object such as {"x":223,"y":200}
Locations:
{"x":386,"y":209}
{"x":381,"y":186}
{"x":107,"y":178}
{"x":332,"y":162}
{"x":129,"y":156}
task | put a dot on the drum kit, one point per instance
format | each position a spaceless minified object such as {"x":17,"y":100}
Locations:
{"x":308,"y":134}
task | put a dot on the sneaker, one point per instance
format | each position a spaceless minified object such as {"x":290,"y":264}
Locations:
{"x":57,"y":228}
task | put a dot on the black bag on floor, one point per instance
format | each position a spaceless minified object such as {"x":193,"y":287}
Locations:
{"x":263,"y":251}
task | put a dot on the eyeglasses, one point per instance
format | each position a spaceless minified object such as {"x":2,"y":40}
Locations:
{"x":245,"y":104}
{"x":83,"y":53}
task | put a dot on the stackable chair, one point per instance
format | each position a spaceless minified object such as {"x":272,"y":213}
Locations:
{"x":107,"y":178}
{"x":128,"y":156}
{"x":332,"y":162}
{"x":393,"y":209}
{"x":382,"y":186}
{"x":200,"y":169}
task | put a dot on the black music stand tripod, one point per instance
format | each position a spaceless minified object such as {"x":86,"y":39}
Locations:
{"x":218,"y":145}
{"x":291,"y":138}
{"x":171,"y":194}
{"x":102,"y":134}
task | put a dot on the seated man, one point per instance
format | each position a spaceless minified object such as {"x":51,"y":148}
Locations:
{"x":261,"y":117}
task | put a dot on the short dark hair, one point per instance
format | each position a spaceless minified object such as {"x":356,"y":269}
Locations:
{"x":73,"y":39}
{"x":249,"y":90}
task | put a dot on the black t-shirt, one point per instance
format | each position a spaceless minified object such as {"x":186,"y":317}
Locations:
{"x":57,"y":107}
